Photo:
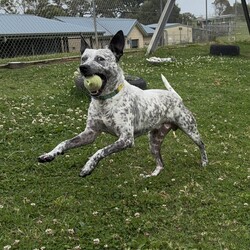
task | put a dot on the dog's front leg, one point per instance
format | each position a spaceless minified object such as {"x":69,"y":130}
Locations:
{"x":121,"y":144}
{"x":84,"y":138}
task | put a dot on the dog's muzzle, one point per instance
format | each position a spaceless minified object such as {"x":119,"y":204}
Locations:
{"x":87,"y":71}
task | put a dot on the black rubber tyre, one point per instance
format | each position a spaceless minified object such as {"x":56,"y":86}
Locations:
{"x":224,"y":50}
{"x":136,"y":81}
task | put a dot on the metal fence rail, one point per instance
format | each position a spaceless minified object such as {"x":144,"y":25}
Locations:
{"x":37,"y":28}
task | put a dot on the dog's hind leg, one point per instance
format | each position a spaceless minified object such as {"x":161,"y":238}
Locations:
{"x":188,"y":125}
{"x":155,"y":140}
{"x":196,"y":138}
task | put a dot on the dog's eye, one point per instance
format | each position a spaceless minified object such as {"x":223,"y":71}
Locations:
{"x":84,"y":59}
{"x":100,"y":59}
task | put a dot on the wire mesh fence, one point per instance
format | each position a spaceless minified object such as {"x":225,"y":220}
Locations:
{"x":53,"y":28}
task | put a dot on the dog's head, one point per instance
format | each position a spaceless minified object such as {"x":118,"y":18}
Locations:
{"x":104,"y":63}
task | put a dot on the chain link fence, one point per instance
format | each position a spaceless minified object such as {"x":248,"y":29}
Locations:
{"x":32,"y":28}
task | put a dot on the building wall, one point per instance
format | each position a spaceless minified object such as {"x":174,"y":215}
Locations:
{"x":74,"y":44}
{"x":135,"y":36}
{"x":147,"y":40}
{"x":177,"y":35}
{"x":134,"y":39}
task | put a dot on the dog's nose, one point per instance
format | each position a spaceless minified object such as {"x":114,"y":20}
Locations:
{"x":86,"y":70}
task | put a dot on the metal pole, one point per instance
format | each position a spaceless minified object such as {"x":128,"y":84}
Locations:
{"x":160,"y":27}
{"x":246,"y":13}
{"x":162,"y":38}
{"x":235,"y":8}
{"x":206,"y":13}
{"x":95,"y":25}
{"x":235,"y":17}
{"x":206,"y":23}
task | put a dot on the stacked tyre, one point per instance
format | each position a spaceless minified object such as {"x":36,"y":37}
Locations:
{"x":224,"y":50}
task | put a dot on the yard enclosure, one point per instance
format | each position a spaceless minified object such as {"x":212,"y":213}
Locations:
{"x":185,"y":207}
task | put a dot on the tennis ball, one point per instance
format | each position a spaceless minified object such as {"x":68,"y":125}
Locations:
{"x":93,"y":83}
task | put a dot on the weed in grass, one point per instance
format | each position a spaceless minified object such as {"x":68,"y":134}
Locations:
{"x":185,"y":207}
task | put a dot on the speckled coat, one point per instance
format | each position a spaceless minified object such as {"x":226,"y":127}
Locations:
{"x":126,"y":111}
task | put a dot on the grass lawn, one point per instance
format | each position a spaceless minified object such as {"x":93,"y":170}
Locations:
{"x":47,"y":206}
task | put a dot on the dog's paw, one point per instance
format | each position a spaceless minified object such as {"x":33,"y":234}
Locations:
{"x":204,"y":164}
{"x":88,"y":168}
{"x":157,"y":170}
{"x":45,"y":158}
{"x":84,"y":173}
{"x":145,"y":175}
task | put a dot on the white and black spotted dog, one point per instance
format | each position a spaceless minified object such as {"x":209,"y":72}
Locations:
{"x":126,"y":111}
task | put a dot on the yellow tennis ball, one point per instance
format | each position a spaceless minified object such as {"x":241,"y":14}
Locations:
{"x":93,"y":83}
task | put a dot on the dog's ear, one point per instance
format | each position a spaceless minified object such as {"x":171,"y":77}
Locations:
{"x":117,"y":44}
{"x":84,"y":45}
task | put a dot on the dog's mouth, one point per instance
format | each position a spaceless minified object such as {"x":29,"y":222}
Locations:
{"x":99,"y":91}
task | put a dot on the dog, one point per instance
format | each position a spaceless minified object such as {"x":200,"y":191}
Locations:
{"x":126,"y":111}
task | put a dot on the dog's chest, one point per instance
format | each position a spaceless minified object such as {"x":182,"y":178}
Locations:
{"x":110,"y":116}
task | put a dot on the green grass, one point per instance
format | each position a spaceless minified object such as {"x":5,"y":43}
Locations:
{"x":47,"y":206}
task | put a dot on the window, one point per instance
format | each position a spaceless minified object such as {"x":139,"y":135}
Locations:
{"x":134,"y":43}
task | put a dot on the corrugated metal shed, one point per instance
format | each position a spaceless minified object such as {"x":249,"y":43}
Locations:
{"x":109,"y":25}
{"x":12,"y":25}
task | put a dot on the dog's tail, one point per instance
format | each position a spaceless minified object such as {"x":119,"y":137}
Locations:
{"x":169,"y":87}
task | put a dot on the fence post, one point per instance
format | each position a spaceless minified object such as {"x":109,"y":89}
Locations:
{"x":95,"y":25}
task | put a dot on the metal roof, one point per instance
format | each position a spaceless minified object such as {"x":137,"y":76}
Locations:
{"x":148,"y":29}
{"x":81,"y":21}
{"x":167,"y":25}
{"x":113,"y":25}
{"x":109,"y":25}
{"x":14,"y":24}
